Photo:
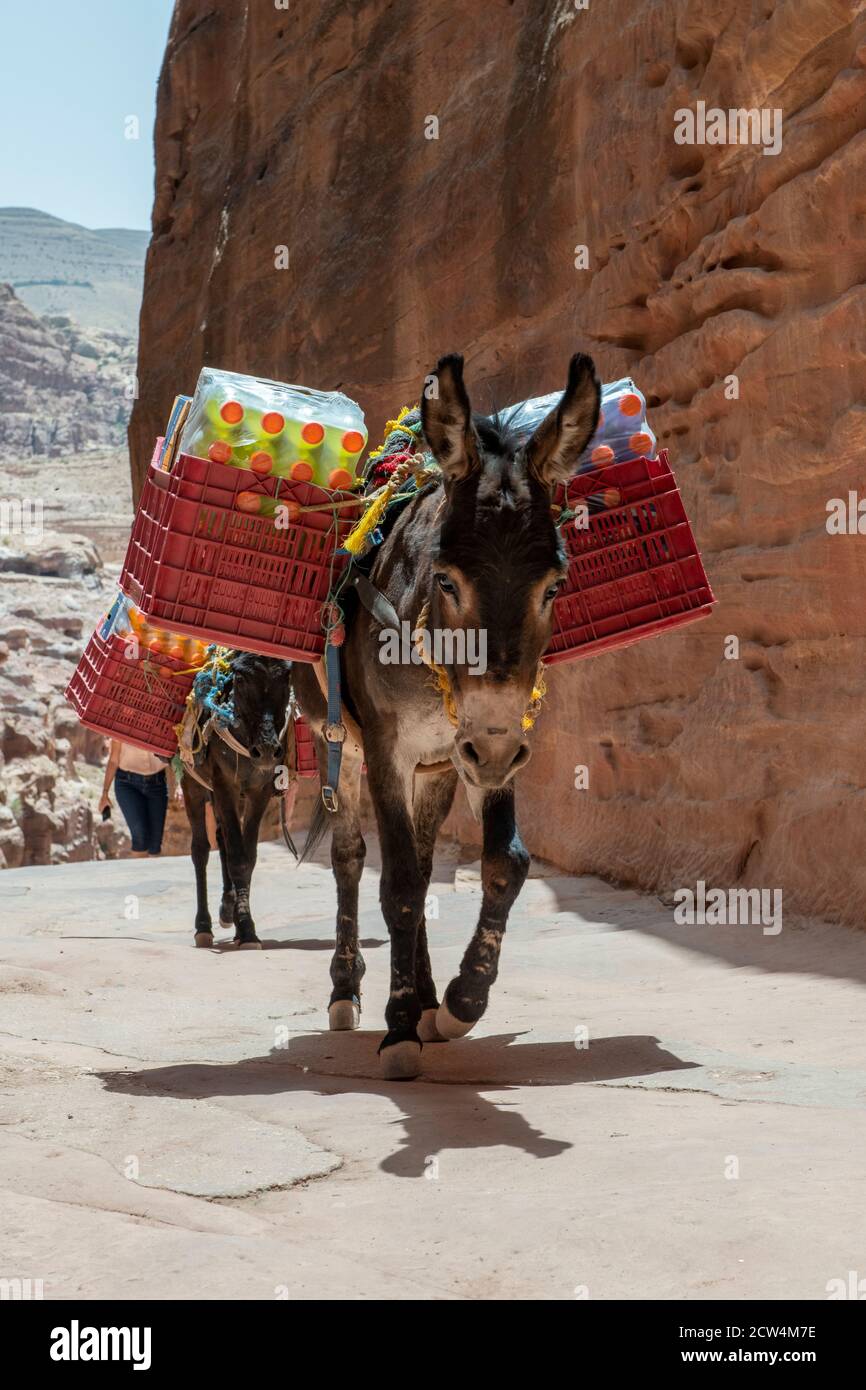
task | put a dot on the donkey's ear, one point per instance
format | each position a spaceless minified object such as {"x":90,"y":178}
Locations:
{"x":553,"y":451}
{"x":446,"y":417}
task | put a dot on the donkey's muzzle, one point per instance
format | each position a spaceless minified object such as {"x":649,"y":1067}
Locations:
{"x":490,"y":759}
{"x":266,"y":750}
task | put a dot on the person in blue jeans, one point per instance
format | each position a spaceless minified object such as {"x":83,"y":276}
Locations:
{"x":142,"y":784}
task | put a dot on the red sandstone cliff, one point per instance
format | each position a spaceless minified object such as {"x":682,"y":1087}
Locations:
{"x":306,"y":128}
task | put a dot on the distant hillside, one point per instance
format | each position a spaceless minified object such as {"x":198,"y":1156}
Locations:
{"x":62,"y":389}
{"x":59,"y":268}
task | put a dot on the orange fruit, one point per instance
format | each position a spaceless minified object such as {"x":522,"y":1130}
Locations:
{"x":261,"y":463}
{"x":339,"y":478}
{"x":602,"y":454}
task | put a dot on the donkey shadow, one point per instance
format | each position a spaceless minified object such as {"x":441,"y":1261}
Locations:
{"x":312,"y":943}
{"x":328,"y":1064}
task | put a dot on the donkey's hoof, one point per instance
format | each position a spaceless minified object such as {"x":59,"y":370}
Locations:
{"x":204,"y":938}
{"x":227,"y":910}
{"x":343,"y":1015}
{"x":448,"y":1026}
{"x":248,"y":945}
{"x":427,"y":1030}
{"x":401,"y":1061}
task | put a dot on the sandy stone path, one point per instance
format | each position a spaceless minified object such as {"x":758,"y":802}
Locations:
{"x":177,"y":1124}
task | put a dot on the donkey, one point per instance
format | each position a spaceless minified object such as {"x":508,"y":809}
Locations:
{"x":480,"y":547}
{"x":239,"y":768}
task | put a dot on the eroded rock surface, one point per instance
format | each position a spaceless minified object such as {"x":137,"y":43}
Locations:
{"x":62,"y":388}
{"x":554,"y":130}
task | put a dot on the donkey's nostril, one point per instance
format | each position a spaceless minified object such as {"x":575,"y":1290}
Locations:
{"x":521,"y":756}
{"x":255,"y":751}
{"x":469,"y":752}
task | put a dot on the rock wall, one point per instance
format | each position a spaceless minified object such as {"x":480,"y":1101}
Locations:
{"x":726,"y":281}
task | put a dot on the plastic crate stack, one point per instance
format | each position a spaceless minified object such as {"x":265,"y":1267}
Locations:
{"x":235,"y":541}
{"x":634,"y":568}
{"x":132,"y":680}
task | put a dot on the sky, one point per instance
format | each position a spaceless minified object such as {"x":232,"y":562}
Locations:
{"x":71,"y":74}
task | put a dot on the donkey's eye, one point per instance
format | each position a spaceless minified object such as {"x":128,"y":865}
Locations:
{"x":551,"y":592}
{"x":445,"y":584}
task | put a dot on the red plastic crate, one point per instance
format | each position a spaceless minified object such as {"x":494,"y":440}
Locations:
{"x":136,"y":699}
{"x":199,"y":566}
{"x":305,"y":749}
{"x":634,"y":571}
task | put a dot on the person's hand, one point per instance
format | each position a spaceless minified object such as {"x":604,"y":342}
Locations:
{"x":104,"y":801}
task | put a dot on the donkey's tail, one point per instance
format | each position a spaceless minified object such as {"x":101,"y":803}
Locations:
{"x":318,"y":829}
{"x":290,"y":844}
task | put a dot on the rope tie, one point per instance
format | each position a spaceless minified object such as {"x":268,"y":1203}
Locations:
{"x":442,"y":680}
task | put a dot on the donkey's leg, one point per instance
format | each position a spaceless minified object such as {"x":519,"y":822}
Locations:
{"x":347,"y":861}
{"x":194,"y":798}
{"x":432,"y":802}
{"x":227,"y":902}
{"x":237,"y":859}
{"x":504,"y":866}
{"x":402,"y":889}
{"x":255,"y":805}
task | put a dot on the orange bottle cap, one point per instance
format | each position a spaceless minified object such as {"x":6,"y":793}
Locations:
{"x":603,"y":454}
{"x":272,"y":422}
{"x":261,"y":462}
{"x":219,"y":451}
{"x":249,"y":501}
{"x":353,"y":441}
{"x":232,"y":412}
{"x":301,"y":471}
{"x":313,"y":433}
{"x":340,"y":478}
{"x":630,"y":404}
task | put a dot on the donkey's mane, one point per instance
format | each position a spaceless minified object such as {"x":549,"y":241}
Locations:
{"x":253,"y":663}
{"x":496,"y":434}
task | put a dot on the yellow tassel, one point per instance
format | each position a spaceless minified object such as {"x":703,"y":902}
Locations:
{"x":354,"y":542}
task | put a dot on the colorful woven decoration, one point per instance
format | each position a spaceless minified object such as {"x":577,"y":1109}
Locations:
{"x":209,"y":686}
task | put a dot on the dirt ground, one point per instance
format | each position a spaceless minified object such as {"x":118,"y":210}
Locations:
{"x":178,"y":1124}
